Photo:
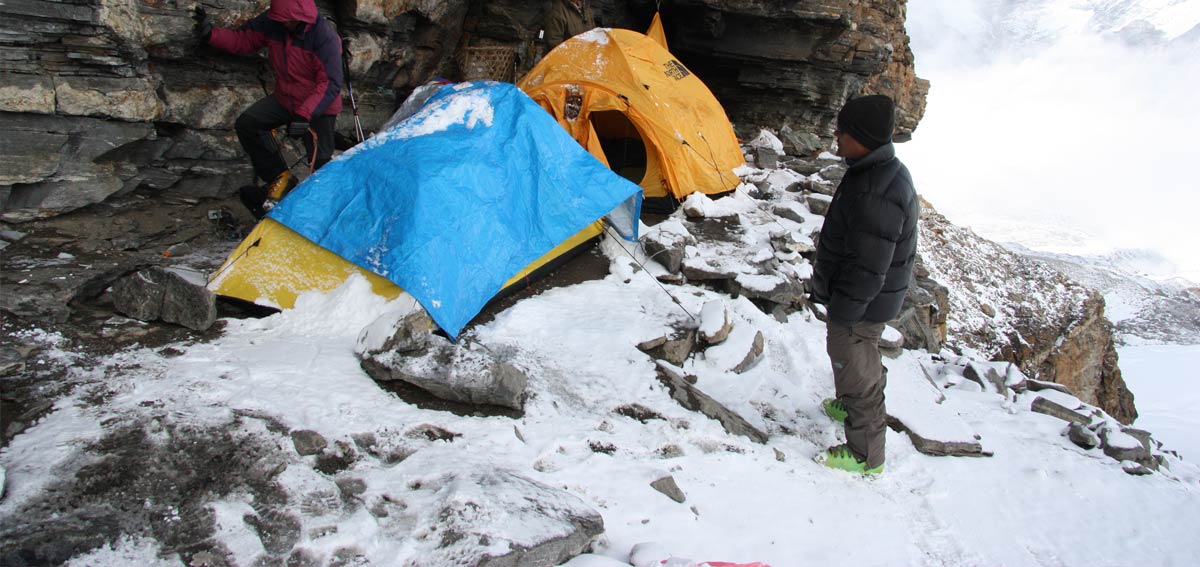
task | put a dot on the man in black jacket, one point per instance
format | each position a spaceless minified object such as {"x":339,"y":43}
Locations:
{"x":864,"y":264}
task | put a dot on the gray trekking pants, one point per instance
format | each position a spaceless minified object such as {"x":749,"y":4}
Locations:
{"x":859,"y":378}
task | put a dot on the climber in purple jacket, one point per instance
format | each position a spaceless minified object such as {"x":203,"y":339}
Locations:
{"x":305,"y":54}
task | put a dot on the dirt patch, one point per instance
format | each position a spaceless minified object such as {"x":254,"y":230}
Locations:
{"x":153,"y":479}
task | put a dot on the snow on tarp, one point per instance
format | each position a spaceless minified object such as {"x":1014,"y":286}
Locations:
{"x":452,"y":202}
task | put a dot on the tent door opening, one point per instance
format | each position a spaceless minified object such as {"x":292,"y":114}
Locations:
{"x":622,"y":144}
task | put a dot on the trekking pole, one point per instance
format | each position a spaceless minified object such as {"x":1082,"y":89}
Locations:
{"x":358,"y":131}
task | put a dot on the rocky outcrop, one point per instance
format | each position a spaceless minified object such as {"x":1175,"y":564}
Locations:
{"x":1015,"y":308}
{"x":794,"y":63}
{"x":102,"y":98}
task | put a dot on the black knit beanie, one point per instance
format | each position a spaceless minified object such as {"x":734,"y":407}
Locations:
{"x":869,"y":119}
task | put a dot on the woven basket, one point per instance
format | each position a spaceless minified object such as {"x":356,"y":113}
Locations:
{"x":487,"y":63}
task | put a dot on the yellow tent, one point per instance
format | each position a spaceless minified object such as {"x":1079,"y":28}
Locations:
{"x":655,"y":31}
{"x":635,"y":107}
{"x":273,"y":265}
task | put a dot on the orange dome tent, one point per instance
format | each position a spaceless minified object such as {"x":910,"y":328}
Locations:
{"x":626,"y":99}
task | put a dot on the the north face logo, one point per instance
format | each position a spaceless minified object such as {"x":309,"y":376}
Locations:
{"x":676,"y":70}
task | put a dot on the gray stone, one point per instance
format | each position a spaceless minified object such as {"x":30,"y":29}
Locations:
{"x":454,"y":372}
{"x":1044,"y":406}
{"x":683,"y":390}
{"x":753,"y":355}
{"x":1139,"y":454}
{"x":675,"y":349}
{"x":666,"y":248}
{"x":497,"y":518}
{"x":1082,"y":436}
{"x":411,"y":334}
{"x":1136,"y":469}
{"x":788,"y":210}
{"x":308,"y":442}
{"x":790,"y":242}
{"x":896,"y":344}
{"x":987,"y":377}
{"x":156,"y":294}
{"x":667,"y":486}
{"x":1141,"y":435}
{"x":938,"y":448}
{"x":799,"y":143}
{"x":698,"y":270}
{"x":818,"y":203}
{"x":1039,"y":385}
{"x":766,"y":158}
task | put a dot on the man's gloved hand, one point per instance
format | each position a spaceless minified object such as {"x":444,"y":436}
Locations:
{"x":298,"y":127}
{"x":203,"y":27}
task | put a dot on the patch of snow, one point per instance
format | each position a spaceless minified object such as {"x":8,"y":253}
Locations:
{"x":766,"y":139}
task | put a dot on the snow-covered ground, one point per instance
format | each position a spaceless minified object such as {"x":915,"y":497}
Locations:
{"x":1039,"y":500}
{"x":1166,"y":381}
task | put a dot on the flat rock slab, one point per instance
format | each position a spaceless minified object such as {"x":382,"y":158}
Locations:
{"x":1042,"y":405}
{"x":684,"y":391}
{"x":915,"y":406}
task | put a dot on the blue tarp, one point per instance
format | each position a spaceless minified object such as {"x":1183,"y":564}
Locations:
{"x":457,"y":199}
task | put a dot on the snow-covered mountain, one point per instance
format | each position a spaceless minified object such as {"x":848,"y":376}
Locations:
{"x":1142,"y":299}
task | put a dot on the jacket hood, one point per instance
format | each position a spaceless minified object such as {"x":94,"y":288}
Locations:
{"x":299,"y":10}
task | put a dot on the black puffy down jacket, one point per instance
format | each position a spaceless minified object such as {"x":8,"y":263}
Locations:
{"x":868,"y":244}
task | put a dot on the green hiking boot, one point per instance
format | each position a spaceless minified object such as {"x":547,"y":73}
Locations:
{"x":842,"y":458}
{"x":835,"y":410}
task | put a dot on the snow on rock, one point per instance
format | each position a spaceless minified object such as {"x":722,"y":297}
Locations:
{"x":714,"y":322}
{"x":891,"y":338}
{"x":699,"y":205}
{"x":916,"y":406}
{"x":477,"y":517}
{"x":765,"y":139}
{"x":665,"y":243}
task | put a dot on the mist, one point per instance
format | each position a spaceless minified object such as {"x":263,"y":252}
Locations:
{"x":1061,"y":126}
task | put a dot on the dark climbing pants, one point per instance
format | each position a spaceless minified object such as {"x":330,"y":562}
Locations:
{"x":254,"y":132}
{"x":859,"y":378}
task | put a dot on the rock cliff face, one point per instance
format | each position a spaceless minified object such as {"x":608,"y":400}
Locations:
{"x":1011,"y":307}
{"x":104,"y":97}
{"x":795,"y":63}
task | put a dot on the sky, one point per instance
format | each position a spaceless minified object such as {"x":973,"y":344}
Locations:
{"x":1044,"y":129}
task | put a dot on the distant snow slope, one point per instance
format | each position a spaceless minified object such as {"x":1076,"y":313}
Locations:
{"x":1145,"y":303}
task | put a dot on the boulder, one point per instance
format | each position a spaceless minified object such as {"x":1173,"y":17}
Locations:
{"x":498,"y":518}
{"x":799,"y":143}
{"x":766,"y":158}
{"x":1125,"y":447}
{"x":459,"y":373}
{"x":155,"y":293}
{"x":1082,"y":436}
{"x":818,"y":203}
{"x":665,"y":244}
